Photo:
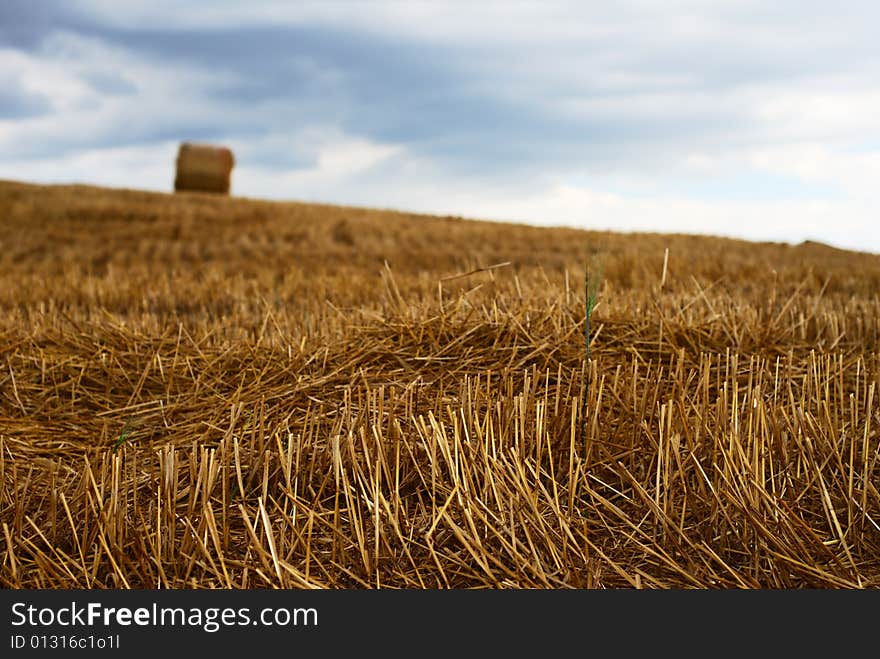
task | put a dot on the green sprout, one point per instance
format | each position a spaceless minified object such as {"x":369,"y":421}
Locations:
{"x":124,"y":435}
{"x":591,"y":295}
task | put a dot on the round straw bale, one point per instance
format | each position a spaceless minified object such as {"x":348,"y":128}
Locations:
{"x":203,"y":168}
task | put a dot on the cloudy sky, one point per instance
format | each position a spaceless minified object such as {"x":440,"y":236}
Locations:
{"x":749,"y":119}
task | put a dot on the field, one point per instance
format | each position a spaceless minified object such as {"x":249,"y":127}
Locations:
{"x":203,"y":392}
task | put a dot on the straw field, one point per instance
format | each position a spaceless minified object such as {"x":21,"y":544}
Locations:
{"x":205,"y":392}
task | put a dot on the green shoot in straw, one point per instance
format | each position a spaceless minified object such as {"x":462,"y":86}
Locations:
{"x":591,"y":294}
{"x":124,"y":435}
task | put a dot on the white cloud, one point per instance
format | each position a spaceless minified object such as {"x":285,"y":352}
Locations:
{"x":853,"y":172}
{"x":42,"y":77}
{"x":146,"y":167}
{"x":339,"y":161}
{"x":86,"y":118}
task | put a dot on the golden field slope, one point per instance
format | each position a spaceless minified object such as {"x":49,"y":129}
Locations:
{"x":202,"y":392}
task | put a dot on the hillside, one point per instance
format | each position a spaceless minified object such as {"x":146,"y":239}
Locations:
{"x":199,"y":391}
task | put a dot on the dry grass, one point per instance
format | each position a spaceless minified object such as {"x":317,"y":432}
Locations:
{"x":199,"y":392}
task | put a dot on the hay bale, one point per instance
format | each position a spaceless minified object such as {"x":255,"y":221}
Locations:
{"x":203,"y":168}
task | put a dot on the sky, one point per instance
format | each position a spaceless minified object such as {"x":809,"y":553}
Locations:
{"x":753,"y":120}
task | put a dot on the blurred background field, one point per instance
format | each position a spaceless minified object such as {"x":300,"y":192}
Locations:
{"x":201,"y":391}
